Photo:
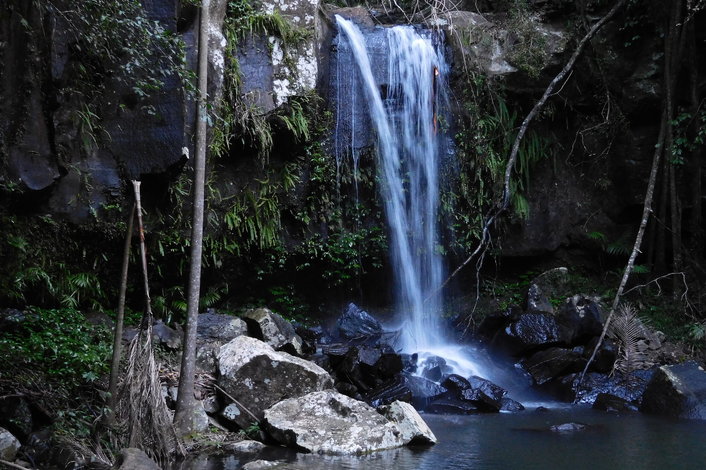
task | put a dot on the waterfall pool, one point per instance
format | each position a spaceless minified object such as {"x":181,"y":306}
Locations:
{"x":520,"y":441}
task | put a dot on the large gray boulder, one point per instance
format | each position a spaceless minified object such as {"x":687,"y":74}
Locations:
{"x":678,"y":391}
{"x":328,"y":422}
{"x":213,"y":331}
{"x":257,"y":376}
{"x":274,"y":330}
{"x":413,"y":428}
{"x":9,"y":445}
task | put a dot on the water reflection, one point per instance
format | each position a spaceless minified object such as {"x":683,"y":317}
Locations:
{"x":519,"y":441}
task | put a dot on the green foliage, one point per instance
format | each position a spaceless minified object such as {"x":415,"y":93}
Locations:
{"x":239,"y":113}
{"x":60,"y":343}
{"x":341,"y":254}
{"x":529,"y":51}
{"x":621,"y":246}
{"x":116,"y":39}
{"x":487,"y":133}
{"x":689,"y":134}
{"x":45,"y":266}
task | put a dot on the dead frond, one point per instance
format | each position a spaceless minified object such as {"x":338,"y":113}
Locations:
{"x":627,"y":329}
{"x":143,"y":418}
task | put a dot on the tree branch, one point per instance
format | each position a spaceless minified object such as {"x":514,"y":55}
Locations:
{"x":512,"y":159}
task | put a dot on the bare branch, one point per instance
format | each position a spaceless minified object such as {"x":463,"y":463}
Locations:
{"x":504,"y":203}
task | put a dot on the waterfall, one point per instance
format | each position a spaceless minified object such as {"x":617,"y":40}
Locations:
{"x":408,"y":143}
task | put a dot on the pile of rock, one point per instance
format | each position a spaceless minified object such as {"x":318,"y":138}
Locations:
{"x":260,"y":378}
{"x":554,"y":345}
{"x":360,"y":357}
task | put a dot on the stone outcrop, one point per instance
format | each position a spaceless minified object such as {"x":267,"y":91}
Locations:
{"x":9,"y":445}
{"x":257,"y":376}
{"x":274,"y":330}
{"x":273,"y":70}
{"x":213,"y":331}
{"x":330,"y":423}
{"x":412,"y":427}
{"x":678,"y":391}
{"x":486,"y":46}
{"x":356,"y":323}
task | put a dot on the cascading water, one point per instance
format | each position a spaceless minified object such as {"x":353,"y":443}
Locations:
{"x":409,"y":143}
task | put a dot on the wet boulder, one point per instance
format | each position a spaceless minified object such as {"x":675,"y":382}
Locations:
{"x":452,"y":406}
{"x":611,"y":403}
{"x":455,"y":383}
{"x":434,"y":368}
{"x":213,"y":331}
{"x":9,"y":445}
{"x":630,"y":388}
{"x":550,"y":363}
{"x":567,"y":427}
{"x":257,"y":377}
{"x":530,"y":332}
{"x":327,"y":422}
{"x":483,"y":393}
{"x":497,"y":321}
{"x":364,"y":366}
{"x":536,"y":301}
{"x":396,"y":389}
{"x":580,"y":319}
{"x":508,"y":404}
{"x":356,"y":323}
{"x":424,"y":391}
{"x":413,"y":428}
{"x":678,"y":391}
{"x":274,"y":330}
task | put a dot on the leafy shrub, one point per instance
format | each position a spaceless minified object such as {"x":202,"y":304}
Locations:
{"x":60,"y":343}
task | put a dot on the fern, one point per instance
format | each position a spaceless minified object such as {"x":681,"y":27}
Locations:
{"x":600,"y":236}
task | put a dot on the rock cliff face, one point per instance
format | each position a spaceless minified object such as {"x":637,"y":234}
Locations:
{"x":73,"y":157}
{"x":77,"y":150}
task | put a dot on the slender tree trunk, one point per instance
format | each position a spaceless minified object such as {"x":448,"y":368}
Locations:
{"x":186,"y":412}
{"x":695,"y":220}
{"x":646,"y":211}
{"x":119,"y":321}
{"x":669,"y":66}
{"x":660,"y":222}
{"x":147,"y":316}
{"x":673,"y":53}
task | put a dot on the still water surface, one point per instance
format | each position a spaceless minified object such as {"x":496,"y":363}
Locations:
{"x":522,"y":441}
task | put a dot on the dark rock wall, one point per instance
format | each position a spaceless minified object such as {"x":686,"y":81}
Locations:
{"x":602,"y":124}
{"x":48,"y":144}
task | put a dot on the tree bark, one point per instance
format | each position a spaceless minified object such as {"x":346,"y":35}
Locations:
{"x":147,"y":315}
{"x":674,"y":46}
{"x":120,"y":318}
{"x":186,"y":403}
{"x":695,"y":220}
